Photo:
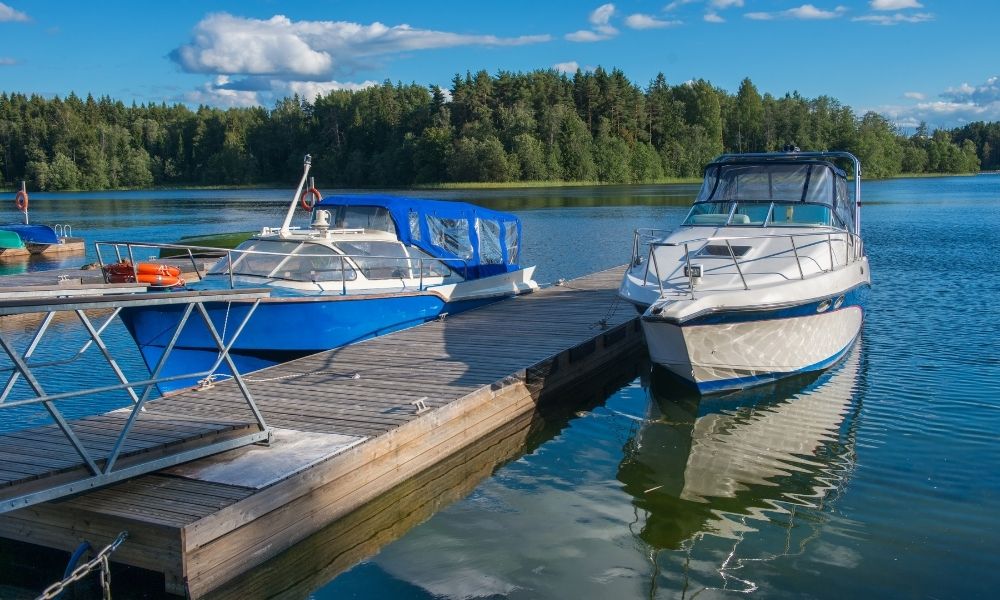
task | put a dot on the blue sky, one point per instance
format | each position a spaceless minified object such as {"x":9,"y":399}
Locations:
{"x":933,"y":60}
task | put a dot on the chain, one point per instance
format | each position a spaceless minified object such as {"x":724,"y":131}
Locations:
{"x":605,"y":322}
{"x":101,"y":560}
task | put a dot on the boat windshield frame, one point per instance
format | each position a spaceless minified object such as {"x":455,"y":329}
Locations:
{"x":842,"y":213}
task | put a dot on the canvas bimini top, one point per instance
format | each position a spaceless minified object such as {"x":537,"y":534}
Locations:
{"x":785,"y":178}
{"x":485,"y":241}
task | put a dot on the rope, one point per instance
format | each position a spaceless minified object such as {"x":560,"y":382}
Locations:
{"x":100,"y":560}
{"x":209,"y":382}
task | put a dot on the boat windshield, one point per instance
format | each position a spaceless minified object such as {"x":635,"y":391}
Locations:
{"x":392,"y":260}
{"x":773,"y":194}
{"x":362,"y":217}
{"x":286,"y":260}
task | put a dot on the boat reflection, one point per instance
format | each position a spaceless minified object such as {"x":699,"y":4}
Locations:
{"x":728,"y":466}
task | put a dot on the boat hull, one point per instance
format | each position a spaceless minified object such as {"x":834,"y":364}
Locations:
{"x":281,"y":329}
{"x":736,"y":349}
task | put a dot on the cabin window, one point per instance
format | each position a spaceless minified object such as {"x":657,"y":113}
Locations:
{"x":375,"y":218}
{"x":433,"y":267}
{"x":709,"y":213}
{"x":314,"y":262}
{"x":512,"y":240}
{"x":379,"y":260}
{"x":259,"y":258}
{"x":751,"y":213}
{"x":451,"y":235}
{"x":490,"y":252}
{"x":798,"y":214}
{"x":414,"y":219}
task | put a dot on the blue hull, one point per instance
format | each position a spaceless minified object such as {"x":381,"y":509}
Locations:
{"x":279,"y":330}
{"x":33,"y":234}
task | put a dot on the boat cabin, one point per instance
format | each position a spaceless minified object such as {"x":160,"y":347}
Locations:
{"x":762,"y":191}
{"x":375,"y":241}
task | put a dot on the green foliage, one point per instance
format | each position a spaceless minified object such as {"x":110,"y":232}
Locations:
{"x":540,"y":125}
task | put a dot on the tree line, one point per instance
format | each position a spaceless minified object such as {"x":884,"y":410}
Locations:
{"x":540,"y":125}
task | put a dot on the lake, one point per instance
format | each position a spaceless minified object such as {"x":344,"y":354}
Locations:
{"x":877,"y":478}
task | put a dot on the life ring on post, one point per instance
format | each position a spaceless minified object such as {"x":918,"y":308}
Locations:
{"x":21,"y":200}
{"x":310,"y":193}
{"x":148,"y":273}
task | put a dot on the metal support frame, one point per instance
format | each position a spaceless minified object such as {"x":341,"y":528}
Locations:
{"x":102,"y":469}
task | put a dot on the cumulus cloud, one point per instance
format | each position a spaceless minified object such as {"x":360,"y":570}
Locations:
{"x":896,"y":19}
{"x":724,"y":4}
{"x":914,"y":95}
{"x":956,"y":106}
{"x":806,"y":12}
{"x":641,"y":21}
{"x":224,"y":43}
{"x":568,"y":67}
{"x":677,"y":4}
{"x":894,"y":4}
{"x":712,"y":17}
{"x":8,"y":13}
{"x":257,"y":91}
{"x":310,"y":89}
{"x":601,"y":28}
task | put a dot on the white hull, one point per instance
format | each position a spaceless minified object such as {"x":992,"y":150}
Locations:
{"x":727,"y":356}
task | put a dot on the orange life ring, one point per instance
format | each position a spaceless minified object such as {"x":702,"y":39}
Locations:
{"x":21,"y":200}
{"x":311,"y":192}
{"x":160,"y":280}
{"x":148,"y":273}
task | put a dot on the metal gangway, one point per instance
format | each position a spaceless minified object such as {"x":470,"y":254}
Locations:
{"x":70,"y":456}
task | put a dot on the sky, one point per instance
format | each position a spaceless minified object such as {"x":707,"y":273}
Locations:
{"x":912,"y":60}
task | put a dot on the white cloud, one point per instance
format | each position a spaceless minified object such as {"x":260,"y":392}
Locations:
{"x":677,"y":4}
{"x":956,"y":106}
{"x":223,"y":43}
{"x":6,"y":61}
{"x":894,"y":4}
{"x":896,"y":19}
{"x":215,"y":93}
{"x":602,"y":29}
{"x":310,"y":89}
{"x":586,"y":35}
{"x":641,"y":21}
{"x":712,"y":17}
{"x":724,"y":4}
{"x":806,"y":12}
{"x":602,"y":15}
{"x":8,"y":13}
{"x":914,"y":95}
{"x":569,"y":67}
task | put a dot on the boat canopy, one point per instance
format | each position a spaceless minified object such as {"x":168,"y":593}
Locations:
{"x":791,"y":181}
{"x":32,"y":234}
{"x":488,"y":242}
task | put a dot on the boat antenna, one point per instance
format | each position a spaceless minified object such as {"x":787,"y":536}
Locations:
{"x":286,"y":226}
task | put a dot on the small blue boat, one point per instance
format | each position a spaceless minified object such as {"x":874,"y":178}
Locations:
{"x":366,"y":266}
{"x":32,"y":237}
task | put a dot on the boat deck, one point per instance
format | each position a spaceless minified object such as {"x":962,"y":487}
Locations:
{"x":349,"y":425}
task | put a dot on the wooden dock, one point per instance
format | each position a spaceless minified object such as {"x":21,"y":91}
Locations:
{"x":350,"y":425}
{"x":66,"y":245}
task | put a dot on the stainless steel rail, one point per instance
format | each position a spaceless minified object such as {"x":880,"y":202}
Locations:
{"x":102,"y":469}
{"x":348,"y":262}
{"x":853,"y":251}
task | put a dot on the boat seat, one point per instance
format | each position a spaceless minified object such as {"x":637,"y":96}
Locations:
{"x":709,"y":219}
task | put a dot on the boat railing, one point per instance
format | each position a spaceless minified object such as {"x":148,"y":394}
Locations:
{"x":830,"y":237}
{"x":228,"y":257}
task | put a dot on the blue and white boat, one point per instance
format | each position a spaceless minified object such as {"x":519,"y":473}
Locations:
{"x":766,"y":277}
{"x":367,"y":265}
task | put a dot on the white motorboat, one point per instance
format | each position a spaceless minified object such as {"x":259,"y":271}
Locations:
{"x":766,"y":277}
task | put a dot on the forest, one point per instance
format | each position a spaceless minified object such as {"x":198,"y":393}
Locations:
{"x":594,"y":126}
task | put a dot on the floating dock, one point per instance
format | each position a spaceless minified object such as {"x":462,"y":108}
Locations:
{"x":348,"y":426}
{"x":66,"y":245}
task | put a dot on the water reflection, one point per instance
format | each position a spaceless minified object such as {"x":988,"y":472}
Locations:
{"x":726,"y":468}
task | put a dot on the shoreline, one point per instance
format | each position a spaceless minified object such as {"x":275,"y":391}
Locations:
{"x":468,"y":185}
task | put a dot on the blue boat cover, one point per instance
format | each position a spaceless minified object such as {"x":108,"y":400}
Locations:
{"x":488,"y":242}
{"x":33,"y":234}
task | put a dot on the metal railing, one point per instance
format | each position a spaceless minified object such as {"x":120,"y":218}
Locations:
{"x":853,"y":251}
{"x":348,"y":263}
{"x":101,"y":470}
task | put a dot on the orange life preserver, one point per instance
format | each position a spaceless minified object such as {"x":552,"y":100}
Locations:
{"x":314,"y":194}
{"x":148,"y":273}
{"x":21,"y":200}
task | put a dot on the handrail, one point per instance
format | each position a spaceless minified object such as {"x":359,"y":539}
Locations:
{"x":853,"y":251}
{"x":129,"y":246}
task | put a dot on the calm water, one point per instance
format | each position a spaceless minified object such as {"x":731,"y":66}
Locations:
{"x":878,"y":478}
